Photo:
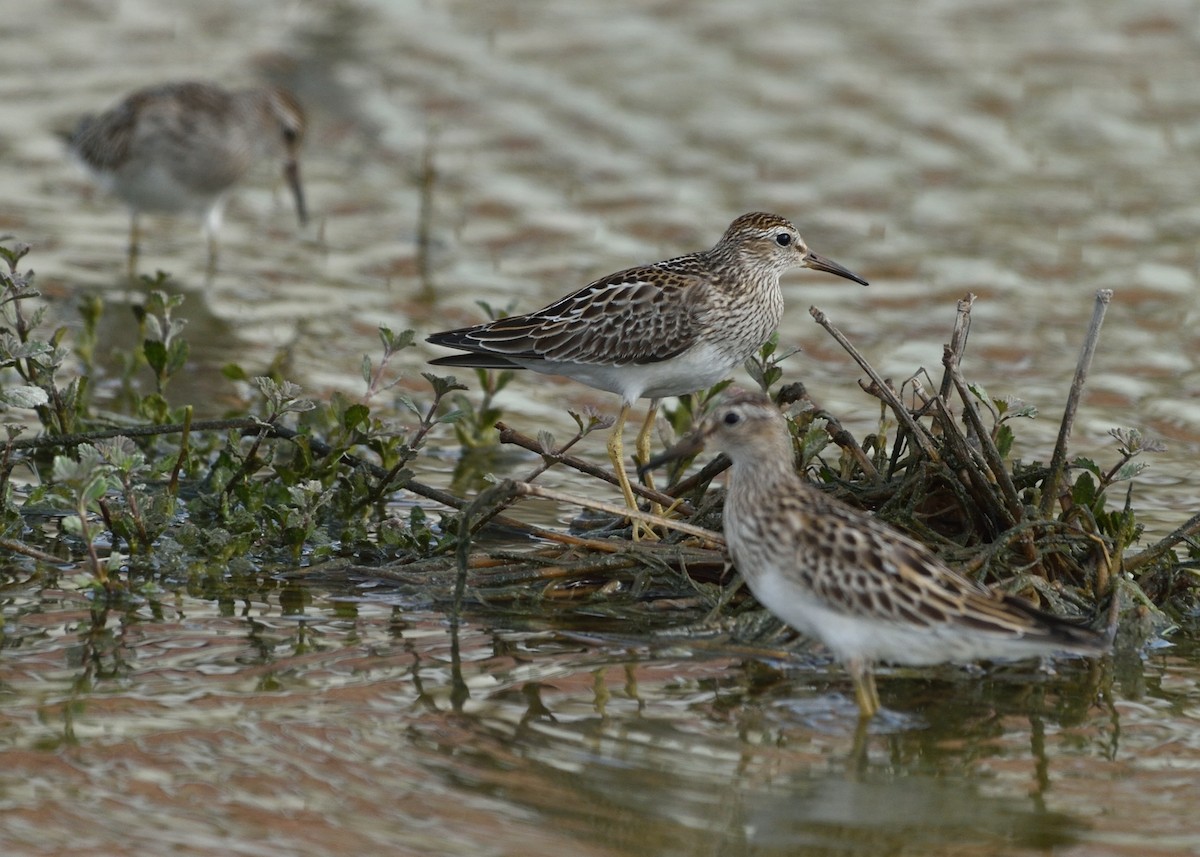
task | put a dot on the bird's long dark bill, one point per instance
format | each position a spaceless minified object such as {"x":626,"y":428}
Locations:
{"x":820,"y":263}
{"x":291,"y":173}
{"x":686,"y":448}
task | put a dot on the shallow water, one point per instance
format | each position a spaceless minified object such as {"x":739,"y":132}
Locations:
{"x":306,"y":722}
{"x":1029,"y":153}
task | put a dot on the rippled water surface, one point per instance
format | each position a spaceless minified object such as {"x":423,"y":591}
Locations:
{"x":1030,"y":153}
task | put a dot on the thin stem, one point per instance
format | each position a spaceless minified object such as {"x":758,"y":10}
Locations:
{"x":958,"y":340}
{"x":880,"y":388}
{"x":511,"y":435}
{"x":1058,"y":462}
{"x":525,"y":489}
{"x":1186,"y":530}
{"x":992,"y":455}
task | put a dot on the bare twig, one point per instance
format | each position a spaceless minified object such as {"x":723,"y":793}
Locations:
{"x":27,"y":550}
{"x":511,"y":435}
{"x":612,"y":508}
{"x":67,"y":440}
{"x":1012,"y":503}
{"x":882,"y":390}
{"x":1186,"y":530}
{"x":705,"y":475}
{"x":1058,"y":462}
{"x":550,"y":457}
{"x":173,"y":482}
{"x":797,"y":392}
{"x":958,"y":339}
{"x":980,"y":493}
{"x":841,"y":437}
{"x":483,"y":509}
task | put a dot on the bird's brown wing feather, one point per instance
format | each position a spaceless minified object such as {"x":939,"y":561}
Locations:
{"x":642,"y":315}
{"x":866,"y":568}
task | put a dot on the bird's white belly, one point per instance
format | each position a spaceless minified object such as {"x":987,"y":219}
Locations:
{"x":698,"y":368}
{"x":852,"y":637}
{"x":153,"y":187}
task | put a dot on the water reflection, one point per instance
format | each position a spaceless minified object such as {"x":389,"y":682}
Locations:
{"x":518,"y":736}
{"x":658,"y":773}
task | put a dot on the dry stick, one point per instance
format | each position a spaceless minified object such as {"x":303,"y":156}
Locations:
{"x":837,"y":434}
{"x":612,"y":508}
{"x":64,"y":440}
{"x":709,"y":472}
{"x":27,"y":550}
{"x":498,"y":497}
{"x":920,"y":435}
{"x":1189,"y":528}
{"x":1058,"y":461}
{"x":173,"y":482}
{"x":511,"y":435}
{"x":980,"y":490}
{"x":846,"y":441}
{"x":958,"y":340}
{"x":550,"y":457}
{"x":992,"y":455}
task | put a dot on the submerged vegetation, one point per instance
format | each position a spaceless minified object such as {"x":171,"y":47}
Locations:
{"x":143,"y":496}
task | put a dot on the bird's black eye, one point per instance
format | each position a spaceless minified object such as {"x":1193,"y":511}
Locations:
{"x":783,"y":239}
{"x":732,"y":418}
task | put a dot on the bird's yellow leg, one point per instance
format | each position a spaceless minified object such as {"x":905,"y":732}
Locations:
{"x":616,"y":454}
{"x":864,"y":688}
{"x":642,"y":451}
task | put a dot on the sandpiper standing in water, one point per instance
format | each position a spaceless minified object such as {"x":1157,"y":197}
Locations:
{"x":181,"y":147}
{"x":664,"y":329}
{"x":838,"y":575}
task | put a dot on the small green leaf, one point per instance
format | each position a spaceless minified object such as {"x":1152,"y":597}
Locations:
{"x":1004,"y":440}
{"x":355,"y":416}
{"x":156,"y":355}
{"x":1129,"y":470}
{"x":177,"y":355}
{"x":1084,"y":492}
{"x":409,"y":402}
{"x":442,"y":386}
{"x":24,"y":397}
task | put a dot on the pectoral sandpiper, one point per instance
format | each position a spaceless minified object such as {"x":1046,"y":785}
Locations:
{"x":181,"y":147}
{"x":863,"y":589}
{"x":663,"y":329}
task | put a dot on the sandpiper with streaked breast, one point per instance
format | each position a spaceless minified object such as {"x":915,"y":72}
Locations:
{"x":664,"y":329}
{"x":865,"y":590}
